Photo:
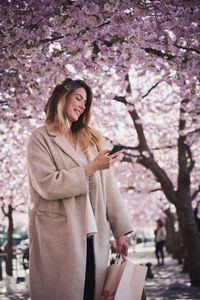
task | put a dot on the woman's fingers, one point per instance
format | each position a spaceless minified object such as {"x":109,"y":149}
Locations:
{"x":104,"y":152}
{"x":122,"y":245}
{"x":116,"y":154}
{"x":103,"y":161}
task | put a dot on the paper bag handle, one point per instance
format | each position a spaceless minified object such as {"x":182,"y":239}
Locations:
{"x":120,"y":259}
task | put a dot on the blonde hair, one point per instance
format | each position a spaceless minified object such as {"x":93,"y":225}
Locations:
{"x":55,"y":115}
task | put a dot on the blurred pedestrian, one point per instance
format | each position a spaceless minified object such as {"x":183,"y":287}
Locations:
{"x":74,"y":200}
{"x":133,"y":241}
{"x":3,"y":256}
{"x":197,"y":214}
{"x":1,"y":259}
{"x":144,"y":239}
{"x":160,"y":238}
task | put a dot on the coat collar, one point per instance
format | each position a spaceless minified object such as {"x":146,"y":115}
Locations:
{"x":64,"y":144}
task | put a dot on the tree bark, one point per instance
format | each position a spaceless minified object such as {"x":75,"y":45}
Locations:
{"x":9,"y":247}
{"x":187,"y":223}
{"x":173,"y":240}
{"x":191,"y":241}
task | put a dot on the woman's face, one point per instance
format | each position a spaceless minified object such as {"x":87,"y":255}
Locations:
{"x":75,"y":104}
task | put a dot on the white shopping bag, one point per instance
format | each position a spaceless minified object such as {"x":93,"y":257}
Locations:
{"x":125,"y":281}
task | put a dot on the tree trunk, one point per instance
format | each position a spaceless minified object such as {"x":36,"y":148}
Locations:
{"x":173,"y":239}
{"x":191,"y":241}
{"x":188,"y":226}
{"x":9,"y":268}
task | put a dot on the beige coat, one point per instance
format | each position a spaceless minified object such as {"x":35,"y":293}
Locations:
{"x":57,"y":217}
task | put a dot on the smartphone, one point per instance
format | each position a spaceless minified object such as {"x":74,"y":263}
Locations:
{"x":116,"y":148}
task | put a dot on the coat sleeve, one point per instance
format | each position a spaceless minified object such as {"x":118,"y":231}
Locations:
{"x":117,"y":214}
{"x":50,"y":183}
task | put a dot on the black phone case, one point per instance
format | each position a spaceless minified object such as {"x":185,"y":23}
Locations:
{"x":115,"y":149}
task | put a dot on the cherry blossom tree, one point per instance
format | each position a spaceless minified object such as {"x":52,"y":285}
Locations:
{"x":180,"y":194}
{"x":142,"y":60}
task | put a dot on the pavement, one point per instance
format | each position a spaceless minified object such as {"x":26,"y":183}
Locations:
{"x":168,"y":283}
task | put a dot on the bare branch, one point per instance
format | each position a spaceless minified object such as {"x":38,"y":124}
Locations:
{"x":59,"y":37}
{"x":120,"y":99}
{"x":164,"y":147}
{"x":195,"y":193}
{"x":154,"y":190}
{"x":187,"y":48}
{"x":192,"y":132}
{"x":3,"y":210}
{"x":153,"y":87}
{"x":159,"y":53}
{"x":131,"y":148}
{"x":105,"y":23}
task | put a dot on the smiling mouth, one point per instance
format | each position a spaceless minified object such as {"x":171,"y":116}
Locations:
{"x":78,"y":112}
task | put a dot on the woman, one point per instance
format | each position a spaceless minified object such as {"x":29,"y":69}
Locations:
{"x":74,"y":200}
{"x":160,"y":237}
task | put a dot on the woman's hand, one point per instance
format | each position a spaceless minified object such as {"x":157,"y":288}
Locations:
{"x":101,"y":162}
{"x":122,"y":245}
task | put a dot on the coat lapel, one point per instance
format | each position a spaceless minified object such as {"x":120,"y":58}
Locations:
{"x":64,"y":144}
{"x":67,"y":148}
{"x":93,"y":181}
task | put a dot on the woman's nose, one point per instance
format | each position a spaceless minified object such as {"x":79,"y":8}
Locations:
{"x":83,"y":104}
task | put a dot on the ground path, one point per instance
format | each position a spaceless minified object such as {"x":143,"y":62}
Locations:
{"x":169,"y":282}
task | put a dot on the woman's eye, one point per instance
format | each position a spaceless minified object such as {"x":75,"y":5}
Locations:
{"x":80,"y":99}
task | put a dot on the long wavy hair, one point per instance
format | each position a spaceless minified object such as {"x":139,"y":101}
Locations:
{"x":55,"y":114}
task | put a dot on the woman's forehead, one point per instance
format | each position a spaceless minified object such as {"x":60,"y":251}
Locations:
{"x":81,"y":91}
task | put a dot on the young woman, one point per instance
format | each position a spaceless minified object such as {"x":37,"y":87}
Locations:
{"x":74,"y":200}
{"x":160,"y":238}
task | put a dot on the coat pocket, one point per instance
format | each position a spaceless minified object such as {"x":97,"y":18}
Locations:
{"x":51,"y":227}
{"x":49,"y":214}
